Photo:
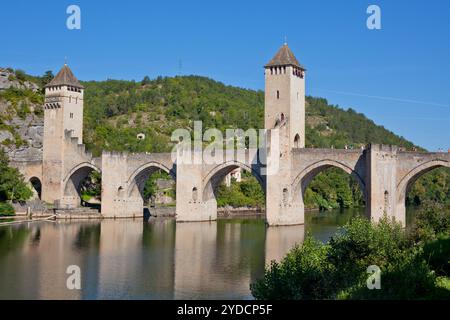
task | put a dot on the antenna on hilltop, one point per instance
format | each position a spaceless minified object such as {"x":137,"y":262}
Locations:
{"x":285,"y":40}
{"x":65,"y":60}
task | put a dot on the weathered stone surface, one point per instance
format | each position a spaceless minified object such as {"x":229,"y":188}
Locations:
{"x":31,"y":130}
{"x":5,"y":135}
{"x":7,"y":80}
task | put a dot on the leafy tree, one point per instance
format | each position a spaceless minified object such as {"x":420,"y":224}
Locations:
{"x":46,"y":78}
{"x":145,"y":81}
{"x":12,"y":185}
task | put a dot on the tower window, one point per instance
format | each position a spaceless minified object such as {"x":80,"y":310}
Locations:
{"x":278,"y":94}
{"x":285,"y":196}
{"x":71,"y":115}
{"x":194,"y":194}
{"x":297,"y":141}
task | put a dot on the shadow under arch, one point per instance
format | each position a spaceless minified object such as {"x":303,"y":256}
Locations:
{"x":137,"y":180}
{"x":413,"y":175}
{"x":73,"y":181}
{"x":215,"y":176}
{"x":37,"y":185}
{"x":304,"y":178}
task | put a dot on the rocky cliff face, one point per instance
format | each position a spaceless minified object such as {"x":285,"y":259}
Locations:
{"x":31,"y":130}
{"x":8,"y":80}
{"x":21,"y":135}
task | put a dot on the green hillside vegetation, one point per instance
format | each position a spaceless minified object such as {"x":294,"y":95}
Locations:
{"x":12,"y":186}
{"x":117,"y":110}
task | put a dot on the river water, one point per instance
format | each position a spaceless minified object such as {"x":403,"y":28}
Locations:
{"x":159,"y":259}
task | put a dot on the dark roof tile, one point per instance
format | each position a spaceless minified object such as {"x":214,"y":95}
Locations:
{"x":284,"y":57}
{"x":65,"y":77}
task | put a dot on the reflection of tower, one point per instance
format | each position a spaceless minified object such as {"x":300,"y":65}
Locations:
{"x":279,"y":240}
{"x":63,"y":111}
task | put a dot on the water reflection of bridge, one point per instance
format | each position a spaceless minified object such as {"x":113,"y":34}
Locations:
{"x":131,"y":259}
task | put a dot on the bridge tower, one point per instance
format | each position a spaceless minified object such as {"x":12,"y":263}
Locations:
{"x":285,"y":96}
{"x":63,"y":114}
{"x":285,"y":118}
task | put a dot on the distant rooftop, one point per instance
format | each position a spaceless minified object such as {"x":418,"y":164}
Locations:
{"x":284,"y":57}
{"x":65,"y":77}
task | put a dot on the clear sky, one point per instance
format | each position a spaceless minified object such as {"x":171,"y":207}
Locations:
{"x":398,"y":76}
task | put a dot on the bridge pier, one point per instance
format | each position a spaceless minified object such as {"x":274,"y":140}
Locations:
{"x":283,"y":206}
{"x":116,"y":202}
{"x":191,"y":205}
{"x":382,"y":200}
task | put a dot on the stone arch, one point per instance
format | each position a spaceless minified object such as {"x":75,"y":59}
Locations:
{"x":36,"y":185}
{"x":216,"y":175}
{"x":137,"y":180}
{"x":303,"y":179}
{"x":72,"y":181}
{"x":413,"y":175}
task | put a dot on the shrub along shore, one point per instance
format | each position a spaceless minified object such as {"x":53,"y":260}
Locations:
{"x":414,"y":263}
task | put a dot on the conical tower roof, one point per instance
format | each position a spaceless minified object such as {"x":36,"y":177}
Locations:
{"x":284,"y":57}
{"x":65,"y":77}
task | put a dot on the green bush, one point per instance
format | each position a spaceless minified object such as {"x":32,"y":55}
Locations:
{"x":437,"y":254}
{"x":405,"y":276}
{"x":338,"y":270}
{"x":303,"y":274}
{"x":6,"y":209}
{"x":432,"y":220}
{"x":360,"y":244}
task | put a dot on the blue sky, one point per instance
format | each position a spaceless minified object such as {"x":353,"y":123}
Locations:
{"x":398,"y":76}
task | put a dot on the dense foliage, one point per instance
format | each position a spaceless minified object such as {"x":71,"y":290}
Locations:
{"x":151,"y":188}
{"x":6,"y":209}
{"x":90,"y":187}
{"x":409,"y":265}
{"x":246,"y":193}
{"x":12,"y":185}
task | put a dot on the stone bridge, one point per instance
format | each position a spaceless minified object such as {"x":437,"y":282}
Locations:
{"x":384,"y":173}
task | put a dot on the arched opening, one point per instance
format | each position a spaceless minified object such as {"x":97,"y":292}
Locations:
{"x":236,"y":187}
{"x":194,"y":194}
{"x":278,"y":94}
{"x":297,"y":141}
{"x":153,"y":189}
{"x":426,"y":184}
{"x":386,"y":202}
{"x":83,"y":187}
{"x":332,"y":187}
{"x":37,"y":187}
{"x":285,"y":196}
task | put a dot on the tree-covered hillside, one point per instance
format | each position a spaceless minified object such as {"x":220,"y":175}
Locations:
{"x":117,"y":110}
